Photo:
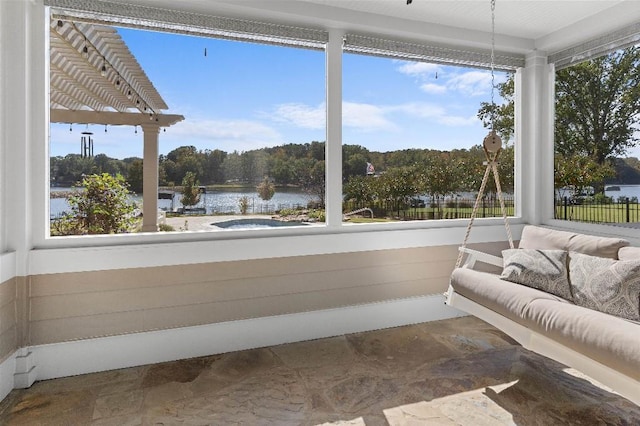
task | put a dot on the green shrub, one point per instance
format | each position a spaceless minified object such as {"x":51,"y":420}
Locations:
{"x":622,"y":199}
{"x":163,"y":227}
{"x":289,"y":212}
{"x":190,"y":190}
{"x":266,"y":189}
{"x":600,"y":198}
{"x":318,"y":215}
{"x":244,"y":204}
{"x":101,"y":207}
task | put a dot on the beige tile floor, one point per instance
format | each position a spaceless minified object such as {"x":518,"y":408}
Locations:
{"x":454,"y":372}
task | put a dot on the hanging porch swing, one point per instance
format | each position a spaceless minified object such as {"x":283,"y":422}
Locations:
{"x":602,"y":345}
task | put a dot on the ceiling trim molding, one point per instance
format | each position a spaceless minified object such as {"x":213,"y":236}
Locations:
{"x":157,"y":19}
{"x":429,"y":53}
{"x":599,"y":46}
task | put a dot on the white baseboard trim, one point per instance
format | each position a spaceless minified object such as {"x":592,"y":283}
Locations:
{"x":7,"y":370}
{"x":109,"y":353}
{"x":26,"y":371}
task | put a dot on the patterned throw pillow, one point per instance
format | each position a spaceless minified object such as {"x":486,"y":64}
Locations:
{"x":606,"y":285}
{"x":544,"y":270}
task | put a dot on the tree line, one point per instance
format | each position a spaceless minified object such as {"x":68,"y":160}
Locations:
{"x":299,"y":165}
{"x":597,"y":117}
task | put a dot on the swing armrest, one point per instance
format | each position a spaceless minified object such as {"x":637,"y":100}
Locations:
{"x":474,"y":256}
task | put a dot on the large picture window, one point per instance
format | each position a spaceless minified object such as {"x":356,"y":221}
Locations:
{"x":202,"y":123}
{"x":412,"y":139}
{"x":249,"y":152}
{"x":597,"y":129}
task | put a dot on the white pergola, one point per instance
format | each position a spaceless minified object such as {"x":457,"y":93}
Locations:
{"x":95,"y":79}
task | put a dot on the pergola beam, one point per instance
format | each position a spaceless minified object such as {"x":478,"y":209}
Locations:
{"x":113,"y":118}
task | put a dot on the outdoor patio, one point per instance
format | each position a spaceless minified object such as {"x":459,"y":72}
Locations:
{"x":459,"y":371}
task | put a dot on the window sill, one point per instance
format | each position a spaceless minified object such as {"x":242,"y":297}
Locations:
{"x":105,"y":252}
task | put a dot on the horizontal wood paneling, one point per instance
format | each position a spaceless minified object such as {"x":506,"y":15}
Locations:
{"x":50,"y":331}
{"x":79,"y":304}
{"x":8,"y":318}
{"x":81,"y":282}
{"x":74,"y":306}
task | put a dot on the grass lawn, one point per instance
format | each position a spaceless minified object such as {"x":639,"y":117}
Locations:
{"x":594,"y":213}
{"x":599,"y":213}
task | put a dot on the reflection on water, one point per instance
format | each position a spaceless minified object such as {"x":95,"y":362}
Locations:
{"x":256,"y":224}
{"x":218,"y":201}
{"x":228,"y":201}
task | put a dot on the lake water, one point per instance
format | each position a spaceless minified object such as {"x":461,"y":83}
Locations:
{"x":625,"y":191}
{"x":219,"y":201}
{"x":227,"y":201}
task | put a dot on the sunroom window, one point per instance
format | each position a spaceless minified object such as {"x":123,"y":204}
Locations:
{"x":413,"y":132}
{"x":227,"y":125}
{"x":246,"y":150}
{"x":597,"y":130}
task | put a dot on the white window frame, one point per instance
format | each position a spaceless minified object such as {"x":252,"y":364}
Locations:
{"x":137,"y":16}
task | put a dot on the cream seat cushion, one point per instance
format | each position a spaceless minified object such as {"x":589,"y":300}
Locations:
{"x":610,"y":340}
{"x":535,"y":237}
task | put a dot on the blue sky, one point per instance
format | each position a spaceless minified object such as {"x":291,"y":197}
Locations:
{"x":244,"y":96}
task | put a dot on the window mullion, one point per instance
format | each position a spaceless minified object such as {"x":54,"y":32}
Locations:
{"x":333,"y":147}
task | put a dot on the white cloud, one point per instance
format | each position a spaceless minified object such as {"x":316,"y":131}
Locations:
{"x":366,"y":117}
{"x":238,"y":134}
{"x":434,"y":89}
{"x":471,"y":83}
{"x":435,"y":113}
{"x":436,"y":79}
{"x":419,"y":68}
{"x":455,"y":121}
{"x":419,"y":109}
{"x":301,"y":115}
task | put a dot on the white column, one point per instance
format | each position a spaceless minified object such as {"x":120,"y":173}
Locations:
{"x":333,"y":147}
{"x":534,"y":122}
{"x":23,"y":131}
{"x":150,"y":178}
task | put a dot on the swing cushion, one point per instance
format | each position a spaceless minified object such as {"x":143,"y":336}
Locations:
{"x":535,"y":237}
{"x":605,"y":338}
{"x":610,"y":340}
{"x":499,"y":296}
{"x":629,"y":253}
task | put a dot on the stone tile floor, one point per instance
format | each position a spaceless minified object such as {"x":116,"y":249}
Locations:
{"x":454,"y":372}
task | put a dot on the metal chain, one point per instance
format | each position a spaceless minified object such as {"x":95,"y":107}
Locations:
{"x":493,"y":115}
{"x":493,"y":60}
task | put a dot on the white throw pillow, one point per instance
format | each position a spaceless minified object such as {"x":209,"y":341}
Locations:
{"x":606,"y":285}
{"x":544,"y":270}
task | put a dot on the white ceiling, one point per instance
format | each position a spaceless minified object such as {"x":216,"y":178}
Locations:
{"x":517,"y":18}
{"x":521,"y":25}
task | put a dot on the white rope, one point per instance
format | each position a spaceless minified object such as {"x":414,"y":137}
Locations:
{"x":502,"y":207}
{"x":474,"y":212}
{"x":492,"y":164}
